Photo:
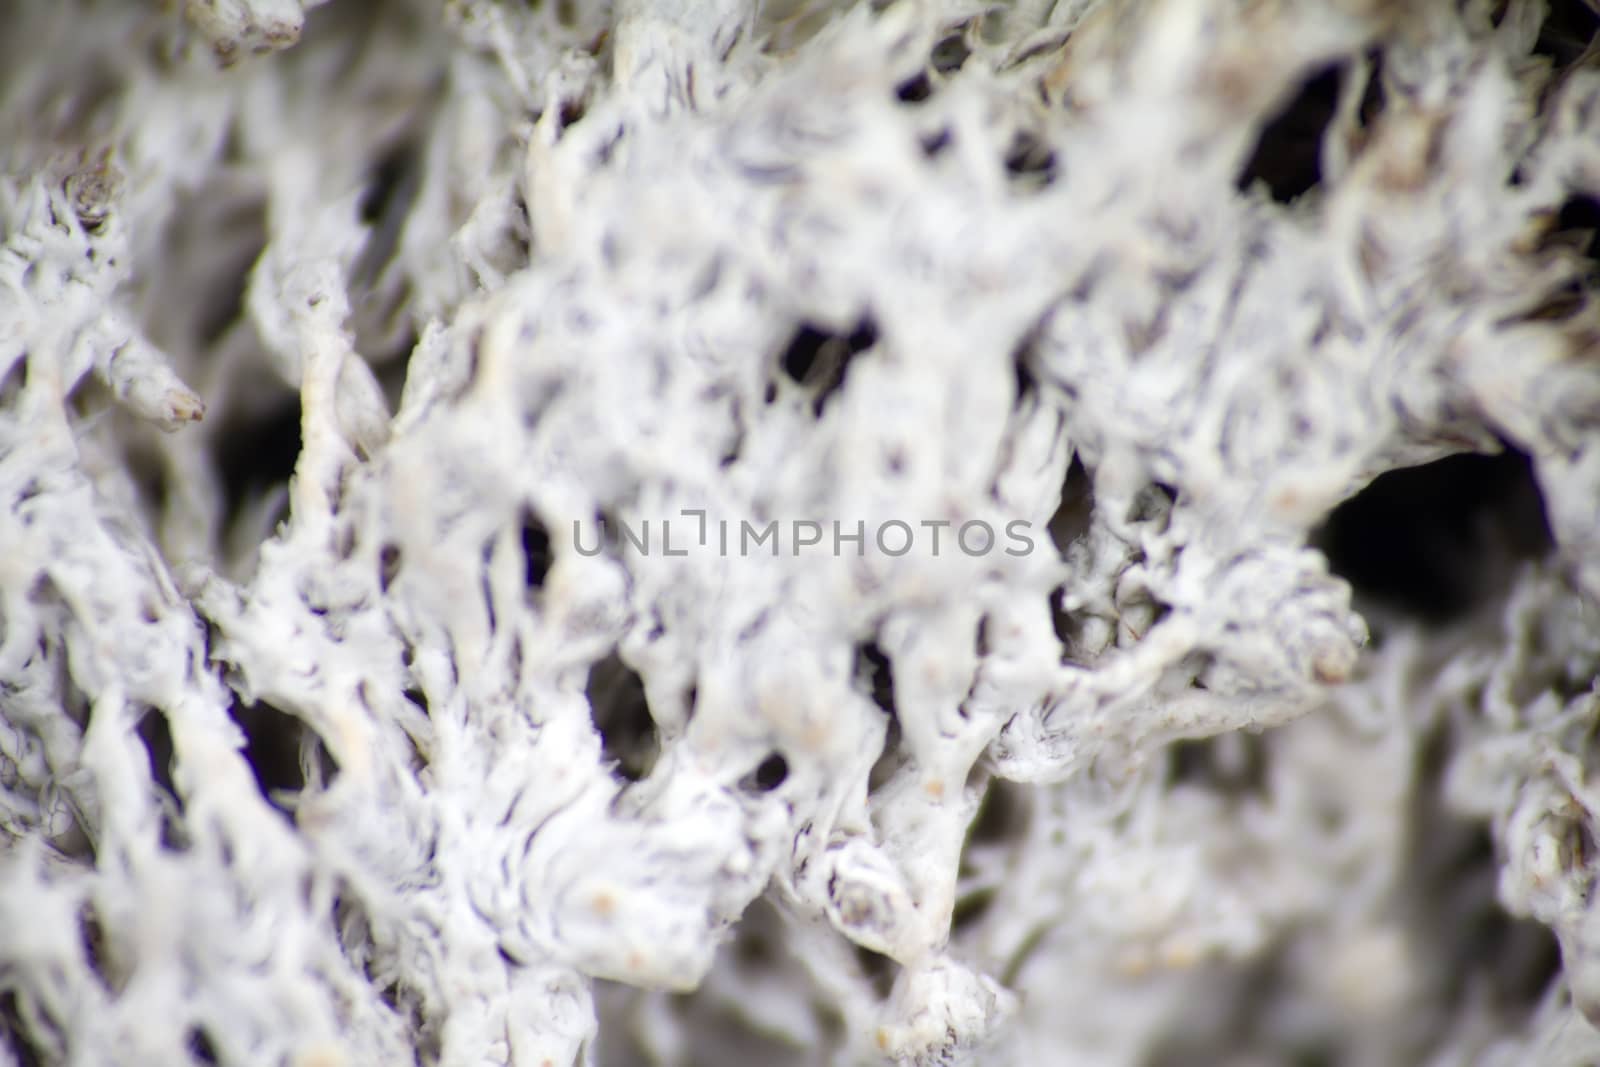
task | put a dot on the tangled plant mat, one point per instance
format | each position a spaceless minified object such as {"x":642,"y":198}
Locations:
{"x":698,"y":532}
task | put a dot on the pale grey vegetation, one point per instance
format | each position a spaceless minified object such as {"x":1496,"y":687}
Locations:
{"x":380,"y":763}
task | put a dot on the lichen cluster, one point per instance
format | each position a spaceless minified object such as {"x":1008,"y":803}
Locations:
{"x":492,"y":532}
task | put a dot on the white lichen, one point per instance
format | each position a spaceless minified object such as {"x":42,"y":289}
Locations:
{"x":573,"y":703}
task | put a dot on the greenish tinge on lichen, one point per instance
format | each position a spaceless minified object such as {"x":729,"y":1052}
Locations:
{"x":695,"y":533}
